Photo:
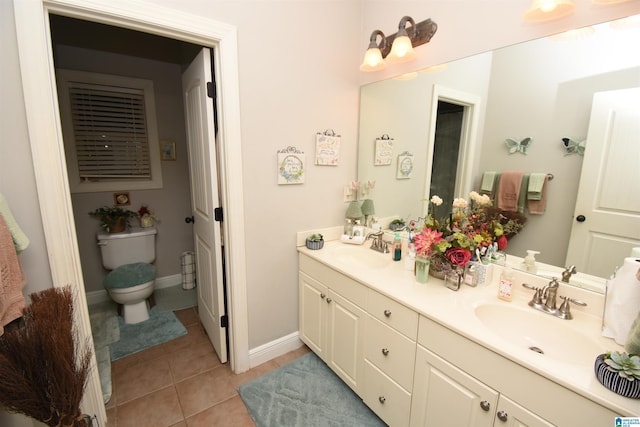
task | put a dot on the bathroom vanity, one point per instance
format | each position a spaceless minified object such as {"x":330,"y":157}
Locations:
{"x":424,"y":355}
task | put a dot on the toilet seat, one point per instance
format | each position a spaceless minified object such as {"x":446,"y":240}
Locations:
{"x":130,"y":275}
{"x":130,"y":285}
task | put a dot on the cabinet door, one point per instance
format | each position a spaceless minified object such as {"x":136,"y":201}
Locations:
{"x":510,"y":414}
{"x":346,"y":339}
{"x":443,"y":395}
{"x":313,"y":314}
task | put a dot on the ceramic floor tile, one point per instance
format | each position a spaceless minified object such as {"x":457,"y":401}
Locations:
{"x":231,"y":413}
{"x":137,"y":380}
{"x":187,"y":316}
{"x":205,"y":390}
{"x":182,"y":384}
{"x":193,"y":361}
{"x":158,"y":409}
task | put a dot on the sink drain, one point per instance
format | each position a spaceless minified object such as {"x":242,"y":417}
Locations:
{"x":536,"y":349}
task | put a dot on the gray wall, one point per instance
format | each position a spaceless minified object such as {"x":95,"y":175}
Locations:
{"x":171,"y":203}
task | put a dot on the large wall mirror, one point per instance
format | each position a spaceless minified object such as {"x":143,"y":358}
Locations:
{"x":542,"y":89}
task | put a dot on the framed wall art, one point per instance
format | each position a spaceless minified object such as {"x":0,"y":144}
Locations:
{"x":383,"y":151}
{"x":327,"y":148}
{"x":291,"y":164}
{"x":405,"y":165}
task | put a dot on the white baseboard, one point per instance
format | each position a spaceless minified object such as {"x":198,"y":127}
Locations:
{"x":97,"y":297}
{"x":273,"y":349}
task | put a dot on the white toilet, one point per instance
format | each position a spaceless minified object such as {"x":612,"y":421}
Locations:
{"x":129,"y":256}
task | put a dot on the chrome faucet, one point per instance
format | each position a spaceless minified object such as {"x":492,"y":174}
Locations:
{"x":378,"y":243}
{"x":566,"y":274}
{"x":549,"y":294}
{"x":544,"y":299}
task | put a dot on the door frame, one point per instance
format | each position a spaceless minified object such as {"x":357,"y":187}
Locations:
{"x":45,"y":138}
{"x":468,"y":138}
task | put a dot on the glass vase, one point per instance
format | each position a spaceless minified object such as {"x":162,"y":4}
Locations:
{"x":422,"y":269}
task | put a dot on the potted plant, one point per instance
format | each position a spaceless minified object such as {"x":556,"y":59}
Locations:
{"x":113,"y":219}
{"x":619,"y":372}
{"x":315,"y":241}
{"x":397,"y":224}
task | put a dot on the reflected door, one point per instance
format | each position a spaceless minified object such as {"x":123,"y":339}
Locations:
{"x":607,"y":215}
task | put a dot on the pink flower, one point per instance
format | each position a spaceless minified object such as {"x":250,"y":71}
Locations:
{"x":458,"y":256}
{"x":502,"y":242}
{"x":425,"y":240}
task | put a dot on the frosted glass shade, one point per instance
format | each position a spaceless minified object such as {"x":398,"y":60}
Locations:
{"x":373,"y":60}
{"x":547,"y":10}
{"x":401,"y":50}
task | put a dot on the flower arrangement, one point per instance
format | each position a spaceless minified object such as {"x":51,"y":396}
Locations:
{"x":471,"y":226}
{"x":146,"y":216}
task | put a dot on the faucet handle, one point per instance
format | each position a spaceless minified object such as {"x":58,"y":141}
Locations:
{"x":564,"y":311}
{"x":536,"y":301}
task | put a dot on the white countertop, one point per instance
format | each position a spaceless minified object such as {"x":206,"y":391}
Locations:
{"x":456,"y":311}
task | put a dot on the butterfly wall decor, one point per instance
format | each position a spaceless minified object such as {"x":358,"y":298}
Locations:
{"x":574,"y":146}
{"x":515,"y":146}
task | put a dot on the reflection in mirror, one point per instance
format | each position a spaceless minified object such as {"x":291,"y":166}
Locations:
{"x":542,"y":89}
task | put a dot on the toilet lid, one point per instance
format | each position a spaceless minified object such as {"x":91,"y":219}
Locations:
{"x":129,"y":275}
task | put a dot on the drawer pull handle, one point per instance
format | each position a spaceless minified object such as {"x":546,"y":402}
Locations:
{"x":485,"y":405}
{"x":322,"y":296}
{"x":387,"y":313}
{"x":382,"y":399}
{"x":502,"y":416}
{"x":329,"y":300}
{"x":385,"y":351}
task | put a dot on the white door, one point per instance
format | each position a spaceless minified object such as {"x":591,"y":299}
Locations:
{"x":199,"y":117}
{"x":607,"y":215}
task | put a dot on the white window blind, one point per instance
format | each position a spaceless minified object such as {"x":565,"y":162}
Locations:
{"x":110,"y":130}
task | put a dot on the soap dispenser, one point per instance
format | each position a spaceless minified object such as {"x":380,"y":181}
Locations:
{"x":396,"y":252}
{"x":529,"y":263}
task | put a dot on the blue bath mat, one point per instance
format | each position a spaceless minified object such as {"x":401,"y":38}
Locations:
{"x":159,"y":328}
{"x":304,"y":393}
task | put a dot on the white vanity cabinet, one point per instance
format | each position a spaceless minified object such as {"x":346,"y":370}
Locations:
{"x":390,"y":347}
{"x":332,"y":323}
{"x":445,"y":395}
{"x":461,"y":376}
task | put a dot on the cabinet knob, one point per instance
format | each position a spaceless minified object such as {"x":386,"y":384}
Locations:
{"x":382,"y":399}
{"x":385,"y":351}
{"x":485,"y":405}
{"x":329,"y":300}
{"x":387,"y":313}
{"x":322,"y":296}
{"x":502,"y":416}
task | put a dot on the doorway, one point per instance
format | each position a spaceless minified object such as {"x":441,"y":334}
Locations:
{"x":45,"y":140}
{"x":93,"y":47}
{"x":453,"y":129}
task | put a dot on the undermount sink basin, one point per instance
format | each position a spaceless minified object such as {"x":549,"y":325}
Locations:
{"x":539,"y":332}
{"x":360,"y":256}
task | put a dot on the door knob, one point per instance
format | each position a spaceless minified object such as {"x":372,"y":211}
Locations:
{"x":190,"y":219}
{"x":581,"y":218}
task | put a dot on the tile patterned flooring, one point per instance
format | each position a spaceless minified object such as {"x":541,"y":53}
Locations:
{"x":182,"y":383}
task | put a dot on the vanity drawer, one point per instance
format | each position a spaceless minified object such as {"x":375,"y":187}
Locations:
{"x":393,"y":314}
{"x":387,"y":399}
{"x":391,"y":352}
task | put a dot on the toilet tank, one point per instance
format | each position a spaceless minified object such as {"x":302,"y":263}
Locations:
{"x":135,"y":245}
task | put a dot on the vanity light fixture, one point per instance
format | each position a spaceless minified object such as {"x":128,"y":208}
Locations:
{"x":397,"y":47}
{"x":547,"y":10}
{"x":373,"y":60}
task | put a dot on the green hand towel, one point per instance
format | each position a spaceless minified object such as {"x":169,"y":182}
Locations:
{"x":633,"y":340}
{"x":522,"y":196}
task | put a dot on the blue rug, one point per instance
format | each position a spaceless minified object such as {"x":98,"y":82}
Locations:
{"x":305,"y":393}
{"x":161,"y":327}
